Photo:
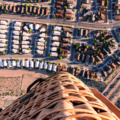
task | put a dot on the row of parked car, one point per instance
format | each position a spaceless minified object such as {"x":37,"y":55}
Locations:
{"x":22,"y":40}
{"x":60,"y":41}
{"x":40,"y":41}
{"x":29,"y":64}
{"x":3,"y":36}
{"x":15,"y":36}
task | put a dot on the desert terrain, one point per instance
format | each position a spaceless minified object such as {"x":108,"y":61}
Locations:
{"x":14,"y":83}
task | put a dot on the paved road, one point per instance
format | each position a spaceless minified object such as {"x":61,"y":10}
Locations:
{"x":88,"y":25}
{"x":115,"y":96}
{"x":96,"y":26}
{"x":110,"y":11}
{"x":108,"y":89}
{"x":18,"y":3}
{"x":112,"y":91}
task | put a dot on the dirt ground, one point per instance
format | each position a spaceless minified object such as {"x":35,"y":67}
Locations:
{"x":14,"y":83}
{"x":10,"y":86}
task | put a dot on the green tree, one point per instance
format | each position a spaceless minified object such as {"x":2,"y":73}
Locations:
{"x":5,"y":46}
{"x":29,"y":48}
{"x":119,"y":34}
{"x":50,"y":55}
{"x":87,"y":46}
{"x":77,"y":68}
{"x":30,"y":5}
{"x":77,"y":46}
{"x":102,"y":31}
{"x":16,"y":60}
{"x":95,"y":39}
{"x":56,"y":64}
{"x":4,"y":52}
{"x":12,"y":53}
{"x":99,"y":9}
{"x":49,"y":63}
{"x":60,"y":58}
{"x":26,"y":5}
{"x":30,"y":30}
{"x":54,"y":16}
{"x":48,"y":8}
{"x":95,"y":44}
{"x":116,"y":56}
{"x":98,"y":52}
{"x":65,"y":7}
{"x":60,"y":50}
{"x":102,"y":38}
{"x":95,"y":62}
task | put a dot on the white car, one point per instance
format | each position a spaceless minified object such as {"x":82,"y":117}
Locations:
{"x":41,"y":65}
{"x":18,"y":64}
{"x":36,"y":64}
{"x":55,"y":44}
{"x":54,"y":68}
{"x":1,"y":63}
{"x":13,"y":63}
{"x":26,"y":28}
{"x":17,"y":23}
{"x":31,"y":26}
{"x":58,"y":28}
{"x":37,"y":26}
{"x":9,"y":63}
{"x":5,"y":63}
{"x":50,"y":67}
{"x":15,"y":51}
{"x":27,"y":64}
{"x":42,"y":29}
{"x":17,"y":28}
{"x":23,"y":63}
{"x":45,"y":66}
{"x":3,"y":31}
{"x":31,"y":64}
{"x":3,"y":22}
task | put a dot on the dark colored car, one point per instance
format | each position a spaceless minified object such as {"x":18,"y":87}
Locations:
{"x":105,"y":93}
{"x":111,"y":86}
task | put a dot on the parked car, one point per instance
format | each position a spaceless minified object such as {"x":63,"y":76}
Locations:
{"x":13,"y":63}
{"x":1,"y":63}
{"x":36,"y":63}
{"x":27,"y":64}
{"x":5,"y":63}
{"x":18,"y":64}
{"x":45,"y":65}
{"x":112,"y":85}
{"x":41,"y":65}
{"x":105,"y":93}
{"x":31,"y":64}
{"x":54,"y":68}
{"x":9,"y":63}
{"x":50,"y":67}
{"x":22,"y":63}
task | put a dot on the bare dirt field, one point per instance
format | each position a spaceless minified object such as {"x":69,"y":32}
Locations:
{"x":14,"y":83}
{"x":10,"y":86}
{"x":7,"y":100}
